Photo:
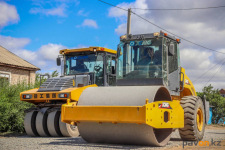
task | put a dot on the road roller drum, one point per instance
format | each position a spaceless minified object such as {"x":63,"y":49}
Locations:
{"x":98,"y":130}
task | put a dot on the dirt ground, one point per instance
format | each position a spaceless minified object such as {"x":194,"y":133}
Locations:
{"x":215,"y":127}
{"x":222,"y":147}
{"x":12,"y":141}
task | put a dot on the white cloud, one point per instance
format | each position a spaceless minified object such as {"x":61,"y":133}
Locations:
{"x":115,"y":12}
{"x":50,"y":51}
{"x":193,"y":56}
{"x":201,"y":27}
{"x":44,"y":57}
{"x":57,"y":11}
{"x":29,"y":56}
{"x":197,"y":62}
{"x":8,"y":14}
{"x":89,"y":23}
{"x":44,"y":2}
{"x":82,"y":13}
{"x":12,"y":43}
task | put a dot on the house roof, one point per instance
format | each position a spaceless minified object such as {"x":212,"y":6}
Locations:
{"x":222,"y":91}
{"x":10,"y":59}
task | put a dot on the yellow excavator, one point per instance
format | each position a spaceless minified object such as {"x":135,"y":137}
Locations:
{"x":81,"y":68}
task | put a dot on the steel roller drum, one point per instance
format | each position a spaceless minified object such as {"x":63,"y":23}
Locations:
{"x":123,"y":133}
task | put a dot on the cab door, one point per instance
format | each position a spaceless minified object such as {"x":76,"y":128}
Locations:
{"x":111,"y":69}
{"x":173,"y":68}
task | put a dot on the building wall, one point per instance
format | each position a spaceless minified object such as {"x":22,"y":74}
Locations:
{"x":18,"y":75}
{"x":222,"y":92}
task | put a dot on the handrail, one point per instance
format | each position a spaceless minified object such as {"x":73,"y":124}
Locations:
{"x":43,"y":76}
{"x":182,"y":82}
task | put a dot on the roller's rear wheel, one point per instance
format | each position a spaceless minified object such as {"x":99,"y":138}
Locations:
{"x":41,"y":122}
{"x":194,"y":119}
{"x":67,"y":129}
{"x":30,"y":123}
{"x":53,"y":123}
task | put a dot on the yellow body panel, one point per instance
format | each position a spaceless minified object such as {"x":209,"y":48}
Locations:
{"x":149,"y":114}
{"x":37,"y":97}
{"x":66,"y":51}
{"x":189,"y":88}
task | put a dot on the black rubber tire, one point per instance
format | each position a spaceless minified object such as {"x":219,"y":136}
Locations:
{"x":190,"y":132}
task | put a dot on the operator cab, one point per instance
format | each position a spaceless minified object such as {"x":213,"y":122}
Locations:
{"x":149,"y":59}
{"x":96,"y":63}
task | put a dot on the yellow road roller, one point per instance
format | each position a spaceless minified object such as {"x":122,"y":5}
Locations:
{"x":81,"y":68}
{"x":152,"y":96}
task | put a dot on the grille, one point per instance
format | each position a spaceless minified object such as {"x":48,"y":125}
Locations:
{"x":56,"y":84}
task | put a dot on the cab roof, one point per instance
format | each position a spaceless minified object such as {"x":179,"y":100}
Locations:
{"x":89,"y":49}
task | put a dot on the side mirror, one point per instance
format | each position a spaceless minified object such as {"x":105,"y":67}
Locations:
{"x":58,"y":61}
{"x":171,"y":49}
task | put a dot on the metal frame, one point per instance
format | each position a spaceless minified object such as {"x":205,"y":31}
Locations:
{"x":86,"y":73}
{"x":182,"y":82}
{"x":43,"y":76}
{"x":140,"y":82}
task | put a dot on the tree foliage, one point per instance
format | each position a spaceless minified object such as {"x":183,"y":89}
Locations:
{"x":11,"y":108}
{"x":216,"y":100}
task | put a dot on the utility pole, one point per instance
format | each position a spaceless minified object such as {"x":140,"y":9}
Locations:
{"x":128,"y":69}
{"x":128,"y":21}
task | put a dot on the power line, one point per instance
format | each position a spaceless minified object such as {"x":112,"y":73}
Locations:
{"x":177,"y":35}
{"x":163,"y":28}
{"x":207,"y":71}
{"x":214,"y":74}
{"x":112,"y":5}
{"x":184,"y":8}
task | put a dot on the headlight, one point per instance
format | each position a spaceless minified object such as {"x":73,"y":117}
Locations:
{"x":123,"y":37}
{"x":63,"y":95}
{"x":156,"y":34}
{"x":27,"y":96}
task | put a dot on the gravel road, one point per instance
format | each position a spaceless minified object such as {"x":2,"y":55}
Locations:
{"x":28,"y":143}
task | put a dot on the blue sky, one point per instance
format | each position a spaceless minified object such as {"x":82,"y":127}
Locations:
{"x":37,"y":29}
{"x":42,"y":28}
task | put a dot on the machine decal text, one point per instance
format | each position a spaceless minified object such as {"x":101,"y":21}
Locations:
{"x":165,"y":105}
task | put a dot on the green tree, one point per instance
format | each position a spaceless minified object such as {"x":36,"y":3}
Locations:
{"x":11,"y":108}
{"x":216,"y":100}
